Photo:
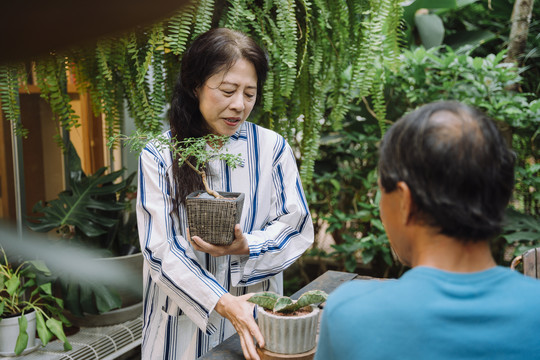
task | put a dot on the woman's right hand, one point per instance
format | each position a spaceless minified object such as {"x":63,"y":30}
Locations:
{"x":238,"y":247}
{"x":240,"y":313}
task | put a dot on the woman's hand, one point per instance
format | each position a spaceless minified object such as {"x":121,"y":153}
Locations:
{"x":240,"y":313}
{"x":239,"y":246}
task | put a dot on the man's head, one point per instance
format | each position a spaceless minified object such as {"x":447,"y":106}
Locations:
{"x":457,"y":166}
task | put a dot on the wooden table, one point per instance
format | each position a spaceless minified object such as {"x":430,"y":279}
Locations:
{"x":231,"y":349}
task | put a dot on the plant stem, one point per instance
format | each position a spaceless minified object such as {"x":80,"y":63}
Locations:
{"x":207,"y":188}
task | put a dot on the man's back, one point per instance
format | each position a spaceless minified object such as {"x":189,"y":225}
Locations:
{"x":434,"y":314}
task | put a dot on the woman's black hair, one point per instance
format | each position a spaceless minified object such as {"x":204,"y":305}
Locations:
{"x":214,"y":51}
{"x":457,"y":165}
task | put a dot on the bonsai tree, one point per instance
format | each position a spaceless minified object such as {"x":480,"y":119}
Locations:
{"x":284,"y":304}
{"x":26,"y":288}
{"x":194,"y":152}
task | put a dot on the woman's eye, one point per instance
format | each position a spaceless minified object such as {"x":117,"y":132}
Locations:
{"x":228,"y":92}
{"x":250,"y":96}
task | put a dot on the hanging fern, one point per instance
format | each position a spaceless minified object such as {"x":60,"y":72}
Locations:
{"x":203,"y":17}
{"x":324,"y":55}
{"x":52,"y":80}
{"x":179,"y":28}
{"x":9,"y":98}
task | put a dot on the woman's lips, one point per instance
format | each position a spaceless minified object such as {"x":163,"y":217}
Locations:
{"x":232,"y":121}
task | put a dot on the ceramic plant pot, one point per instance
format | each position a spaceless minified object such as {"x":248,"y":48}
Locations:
{"x":212,"y":219}
{"x":9,"y":331}
{"x":288,"y":334}
{"x":131,"y":300}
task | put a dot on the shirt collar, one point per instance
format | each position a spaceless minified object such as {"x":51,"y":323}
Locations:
{"x":241,"y":134}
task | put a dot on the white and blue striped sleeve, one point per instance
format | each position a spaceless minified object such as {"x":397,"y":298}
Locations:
{"x":172,"y":262}
{"x":288,"y":230}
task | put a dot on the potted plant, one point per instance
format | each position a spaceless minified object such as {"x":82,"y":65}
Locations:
{"x":95,"y":212}
{"x":211,"y":214}
{"x":288,"y":326}
{"x":26,"y":305}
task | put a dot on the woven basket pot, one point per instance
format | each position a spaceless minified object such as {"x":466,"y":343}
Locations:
{"x":213,"y":220}
{"x":288,"y":334}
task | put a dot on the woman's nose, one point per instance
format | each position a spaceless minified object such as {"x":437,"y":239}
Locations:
{"x":237,"y":102}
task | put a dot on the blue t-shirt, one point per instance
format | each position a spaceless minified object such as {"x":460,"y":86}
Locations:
{"x":434,"y":314}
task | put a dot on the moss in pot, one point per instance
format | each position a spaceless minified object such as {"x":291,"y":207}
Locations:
{"x":288,"y":326}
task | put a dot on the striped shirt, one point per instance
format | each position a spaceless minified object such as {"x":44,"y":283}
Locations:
{"x":181,"y":285}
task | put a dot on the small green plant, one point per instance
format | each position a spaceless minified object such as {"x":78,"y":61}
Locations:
{"x":195,"y":152}
{"x":25,"y":288}
{"x":284,"y":304}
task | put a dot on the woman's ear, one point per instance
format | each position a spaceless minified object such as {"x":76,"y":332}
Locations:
{"x":405,"y":202}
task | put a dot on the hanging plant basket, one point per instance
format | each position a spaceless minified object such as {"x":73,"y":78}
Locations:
{"x":212,"y":219}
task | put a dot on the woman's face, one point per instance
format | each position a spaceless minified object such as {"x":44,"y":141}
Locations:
{"x":227,"y":97}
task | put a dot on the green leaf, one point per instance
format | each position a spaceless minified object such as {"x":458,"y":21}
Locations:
{"x":12,"y":285}
{"x":87,"y":206}
{"x":106,"y":299}
{"x":312,"y":297}
{"x":431,"y":29}
{"x":87,"y":301}
{"x":55,"y":326}
{"x":522,"y":236}
{"x":22,"y":339}
{"x":45,"y":335}
{"x":285,"y":304}
{"x":265,"y":299}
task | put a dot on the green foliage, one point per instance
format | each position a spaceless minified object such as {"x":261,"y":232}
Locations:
{"x":483,"y":82}
{"x":345,"y":198}
{"x":195,"y":152}
{"x":9,"y":97}
{"x":31,"y":277}
{"x":284,"y":304}
{"x":94,"y":210}
{"x":311,"y":47}
{"x":83,"y":212}
{"x":51,"y":77}
{"x":521,"y":231}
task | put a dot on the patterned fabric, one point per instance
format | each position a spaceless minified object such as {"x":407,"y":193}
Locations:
{"x":182,"y":286}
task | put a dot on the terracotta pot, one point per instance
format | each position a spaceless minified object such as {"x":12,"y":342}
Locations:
{"x":289,"y":334}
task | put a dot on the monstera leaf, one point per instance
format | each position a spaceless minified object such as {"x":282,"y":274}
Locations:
{"x":86,"y":206}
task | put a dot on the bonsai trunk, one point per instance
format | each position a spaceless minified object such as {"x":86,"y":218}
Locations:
{"x":207,"y":188}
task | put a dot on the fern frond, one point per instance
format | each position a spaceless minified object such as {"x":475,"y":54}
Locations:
{"x":203,"y":17}
{"x":52,"y":81}
{"x":179,"y":28}
{"x":9,"y":98}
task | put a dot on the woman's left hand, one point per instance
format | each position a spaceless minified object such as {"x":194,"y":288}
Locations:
{"x":239,"y":246}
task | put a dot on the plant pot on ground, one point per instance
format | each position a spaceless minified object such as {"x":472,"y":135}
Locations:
{"x":211,"y":214}
{"x":289,"y":327}
{"x":94,"y":212}
{"x":27,"y":305}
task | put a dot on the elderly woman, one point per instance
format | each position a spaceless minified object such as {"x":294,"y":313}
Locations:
{"x":196,"y":293}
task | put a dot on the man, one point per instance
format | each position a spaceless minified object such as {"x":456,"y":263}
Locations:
{"x":446,"y":176}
